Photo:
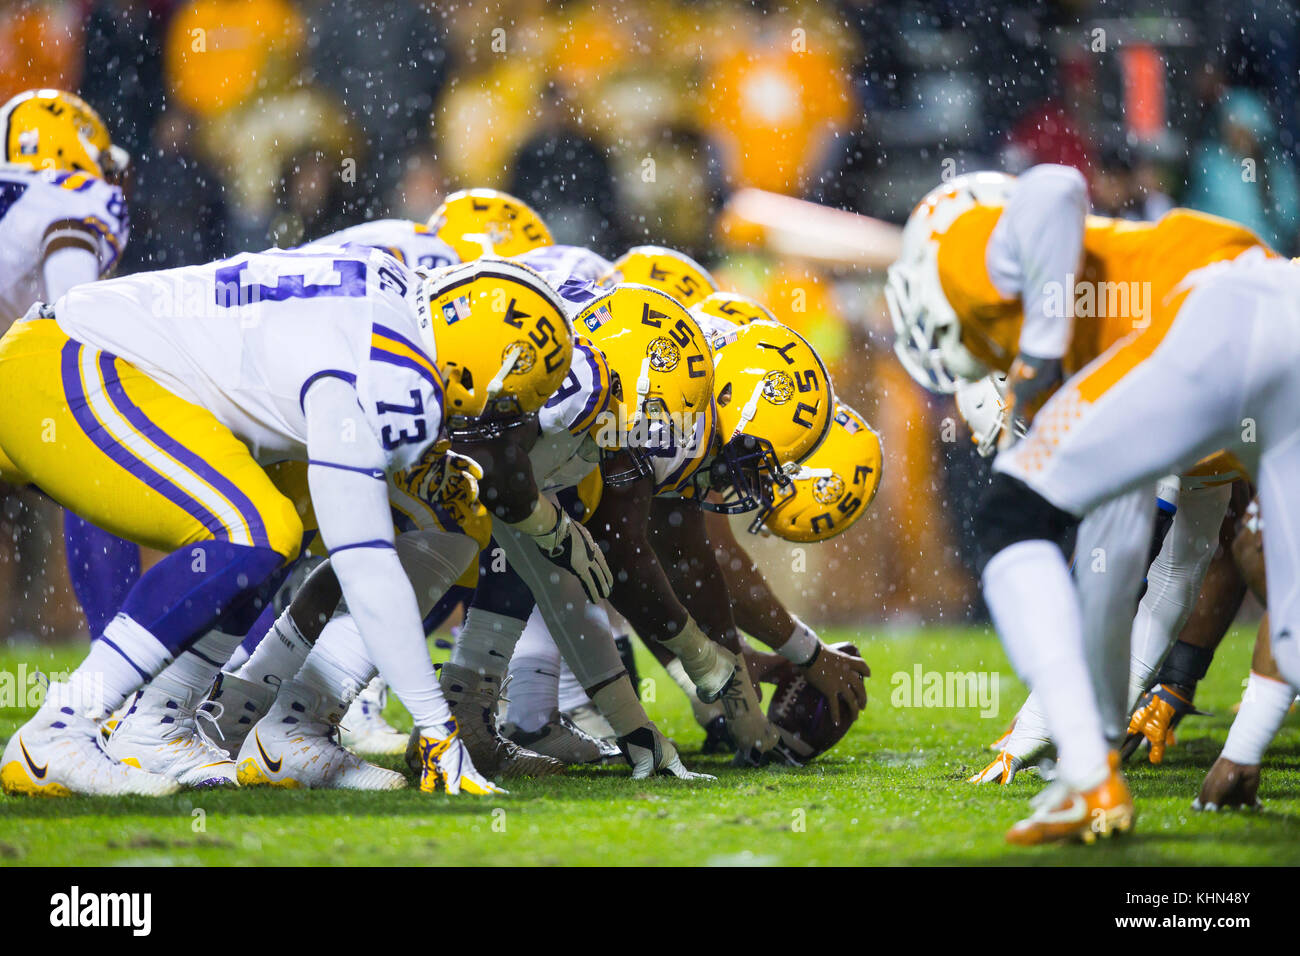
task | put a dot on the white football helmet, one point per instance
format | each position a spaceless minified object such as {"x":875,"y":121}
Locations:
{"x":927,"y":334}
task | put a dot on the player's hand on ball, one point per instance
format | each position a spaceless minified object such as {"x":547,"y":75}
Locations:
{"x":839,"y":677}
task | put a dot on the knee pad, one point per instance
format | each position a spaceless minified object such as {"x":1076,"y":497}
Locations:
{"x":1010,"y":512}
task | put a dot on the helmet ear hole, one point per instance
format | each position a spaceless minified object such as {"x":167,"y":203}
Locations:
{"x":724,"y":396}
{"x":467,"y":379}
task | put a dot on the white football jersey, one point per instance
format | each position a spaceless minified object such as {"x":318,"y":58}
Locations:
{"x":566,"y":451}
{"x":30,"y":203}
{"x":410,"y":243}
{"x":245,"y":337}
{"x":571,"y":270}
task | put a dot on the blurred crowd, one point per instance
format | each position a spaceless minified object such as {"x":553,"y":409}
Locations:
{"x":267,"y":122}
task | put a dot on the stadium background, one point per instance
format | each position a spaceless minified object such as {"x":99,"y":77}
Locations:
{"x":261,"y":122}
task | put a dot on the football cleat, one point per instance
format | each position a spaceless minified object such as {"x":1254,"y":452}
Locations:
{"x":651,"y":753}
{"x":1002,"y":770}
{"x":363,"y":729}
{"x":1229,"y":785}
{"x":1064,"y":813}
{"x":293,"y":747}
{"x":445,"y":764}
{"x":473,"y":701}
{"x":588,"y":718}
{"x":161,"y":734}
{"x":242,"y":703}
{"x":1021,"y":747}
{"x":1158,"y":712}
{"x":59,"y":752}
{"x":562,"y":739}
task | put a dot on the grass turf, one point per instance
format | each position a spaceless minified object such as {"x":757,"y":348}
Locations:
{"x":892,"y":792}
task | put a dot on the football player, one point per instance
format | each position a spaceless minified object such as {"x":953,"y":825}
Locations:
{"x":63,"y":221}
{"x":987,"y":282}
{"x":323,"y":357}
{"x":482,"y":310}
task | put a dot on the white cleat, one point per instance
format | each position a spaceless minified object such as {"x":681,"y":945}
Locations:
{"x":562,"y":739}
{"x":293,"y":747}
{"x":59,"y":752}
{"x":161,"y":734}
{"x":242,"y":704}
{"x":363,"y":728}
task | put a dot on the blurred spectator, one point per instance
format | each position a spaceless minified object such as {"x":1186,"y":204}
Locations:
{"x":40,"y":45}
{"x":1241,"y":172}
{"x":123,"y":76}
{"x":311,"y":199}
{"x":179,"y":216}
{"x":385,"y":62}
{"x":564,"y":175}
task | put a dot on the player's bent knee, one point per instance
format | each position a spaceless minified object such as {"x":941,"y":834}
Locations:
{"x":1010,"y":512}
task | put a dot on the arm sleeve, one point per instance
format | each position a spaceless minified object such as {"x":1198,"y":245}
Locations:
{"x":349,"y":493}
{"x":67,"y":265}
{"x":1036,"y":250}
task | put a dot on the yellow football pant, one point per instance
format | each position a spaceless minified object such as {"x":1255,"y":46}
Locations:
{"x":107,"y":442}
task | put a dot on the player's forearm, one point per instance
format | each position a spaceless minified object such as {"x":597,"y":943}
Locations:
{"x":757,"y":611}
{"x":682,"y":545}
{"x":507,"y":489}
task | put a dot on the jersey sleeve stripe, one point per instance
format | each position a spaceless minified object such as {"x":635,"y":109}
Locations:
{"x":368,"y":472}
{"x":373,"y":543}
{"x":602,"y":392}
{"x":423,"y":368}
{"x":317,"y":376}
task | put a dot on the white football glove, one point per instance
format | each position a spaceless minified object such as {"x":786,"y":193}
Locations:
{"x":650,"y":752}
{"x":570,"y":546}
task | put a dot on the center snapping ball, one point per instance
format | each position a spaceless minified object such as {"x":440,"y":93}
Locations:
{"x":803,"y":712}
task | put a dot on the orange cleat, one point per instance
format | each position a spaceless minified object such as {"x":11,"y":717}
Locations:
{"x":1062,"y":813}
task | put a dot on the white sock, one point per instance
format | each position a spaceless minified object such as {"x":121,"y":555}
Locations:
{"x":119,"y":663}
{"x":1264,"y":706}
{"x":278,"y":656}
{"x":237,"y":660}
{"x":534,"y":676}
{"x":338,"y":667}
{"x":197,"y":666}
{"x":486,"y":642}
{"x":572,"y":693}
{"x":533,"y":692}
{"x":1032,"y":600}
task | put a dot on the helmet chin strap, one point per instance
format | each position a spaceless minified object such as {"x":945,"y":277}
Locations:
{"x":749,"y":411}
{"x":507,"y":365}
{"x":642,"y":392}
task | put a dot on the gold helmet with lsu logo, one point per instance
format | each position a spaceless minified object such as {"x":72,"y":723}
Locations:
{"x":774,"y":401}
{"x":479,"y":222}
{"x":661,"y":373}
{"x":56,"y":131}
{"x":733,"y":307}
{"x":500,"y":337}
{"x":834,"y":486}
{"x":667,"y":270}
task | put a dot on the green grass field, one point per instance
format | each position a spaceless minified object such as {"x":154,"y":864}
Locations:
{"x":892,"y":792}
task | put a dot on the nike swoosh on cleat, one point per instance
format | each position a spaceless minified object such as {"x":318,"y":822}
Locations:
{"x":38,"y":772}
{"x":271,"y":765}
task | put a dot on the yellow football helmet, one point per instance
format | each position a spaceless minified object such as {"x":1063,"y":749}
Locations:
{"x":774,"y":401}
{"x":478,"y":222}
{"x":835,"y":485}
{"x":59,"y":132}
{"x":499,"y":335}
{"x":733,"y":307}
{"x":664,"y":269}
{"x":661,"y":374}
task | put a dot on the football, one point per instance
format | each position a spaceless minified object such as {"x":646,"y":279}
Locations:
{"x":800,"y":709}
